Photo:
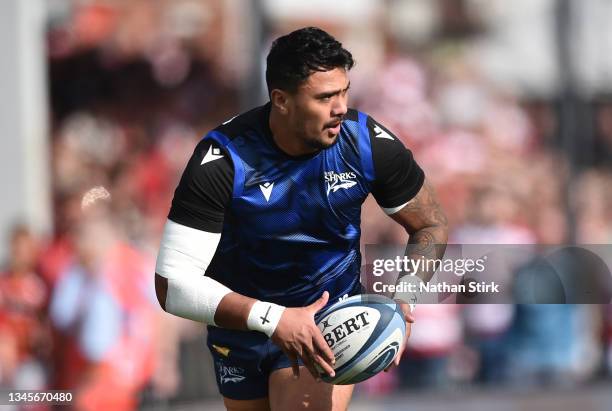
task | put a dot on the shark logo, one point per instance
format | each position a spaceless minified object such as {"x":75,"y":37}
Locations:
{"x":230,"y":374}
{"x":336,"y":181}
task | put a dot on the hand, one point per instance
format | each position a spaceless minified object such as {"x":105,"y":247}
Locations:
{"x":409,"y":317}
{"x":298,"y":336}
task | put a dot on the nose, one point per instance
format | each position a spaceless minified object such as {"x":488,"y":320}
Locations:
{"x":339,"y":108}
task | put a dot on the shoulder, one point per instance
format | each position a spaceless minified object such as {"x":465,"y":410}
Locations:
{"x":375,"y":130}
{"x":252,"y":120}
{"x":398,"y":177}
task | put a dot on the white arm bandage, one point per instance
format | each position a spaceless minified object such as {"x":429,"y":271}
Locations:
{"x":184,"y":255}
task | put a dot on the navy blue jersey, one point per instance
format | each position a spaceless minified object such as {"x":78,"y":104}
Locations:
{"x":290,"y":225}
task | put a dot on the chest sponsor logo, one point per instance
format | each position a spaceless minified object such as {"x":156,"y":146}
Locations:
{"x":229,"y":373}
{"x":336,"y":181}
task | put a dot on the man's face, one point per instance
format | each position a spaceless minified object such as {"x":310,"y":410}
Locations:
{"x":318,"y":106}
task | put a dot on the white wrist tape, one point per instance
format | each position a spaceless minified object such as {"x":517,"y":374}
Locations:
{"x":411,"y":290}
{"x":264,"y":317}
{"x":184,"y":255}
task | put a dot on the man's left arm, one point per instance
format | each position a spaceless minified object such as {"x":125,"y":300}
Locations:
{"x":427,"y":226}
{"x":402,"y":191}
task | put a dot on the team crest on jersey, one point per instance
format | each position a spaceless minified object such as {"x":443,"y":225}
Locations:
{"x":336,"y":181}
{"x":229,"y":373}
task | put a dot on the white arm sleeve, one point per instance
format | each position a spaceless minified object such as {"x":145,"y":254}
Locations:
{"x":184,"y":255}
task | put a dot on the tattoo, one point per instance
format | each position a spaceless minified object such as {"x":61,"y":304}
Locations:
{"x":424,"y":242}
{"x":427,"y":226}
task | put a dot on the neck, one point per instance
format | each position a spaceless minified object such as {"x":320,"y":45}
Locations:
{"x":284,"y":138}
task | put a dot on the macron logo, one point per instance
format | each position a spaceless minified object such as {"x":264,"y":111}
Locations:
{"x":266,"y":189}
{"x":380,"y":133}
{"x":212,"y":154}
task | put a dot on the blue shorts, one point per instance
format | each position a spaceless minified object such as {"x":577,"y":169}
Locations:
{"x":244,"y":360}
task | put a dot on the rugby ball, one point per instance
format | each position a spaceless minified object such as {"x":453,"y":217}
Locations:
{"x":364,"y":332}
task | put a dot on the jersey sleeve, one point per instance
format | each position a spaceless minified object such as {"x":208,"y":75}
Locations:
{"x":398,"y":177}
{"x":205,"y":189}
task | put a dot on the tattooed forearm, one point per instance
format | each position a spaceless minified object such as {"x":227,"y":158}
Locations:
{"x":427,"y":226}
{"x":428,"y":244}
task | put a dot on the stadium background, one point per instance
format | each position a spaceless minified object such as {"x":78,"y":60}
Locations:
{"x":507,"y":105}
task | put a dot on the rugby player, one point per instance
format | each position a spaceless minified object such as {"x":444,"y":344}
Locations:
{"x":264,"y":226}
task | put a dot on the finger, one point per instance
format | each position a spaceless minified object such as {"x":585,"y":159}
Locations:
{"x":324,"y":365}
{"x":320,"y":303}
{"x":393,"y":363}
{"x":409,"y":317}
{"x":311,"y":357}
{"x":321,"y":347}
{"x":318,"y":359}
{"x":396,"y":359}
{"x":407,"y":311}
{"x":295,"y":366}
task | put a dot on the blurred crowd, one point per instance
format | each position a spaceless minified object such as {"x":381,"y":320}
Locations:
{"x":132,"y":90}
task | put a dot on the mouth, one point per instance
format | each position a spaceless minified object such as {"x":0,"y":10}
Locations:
{"x":334,"y":127}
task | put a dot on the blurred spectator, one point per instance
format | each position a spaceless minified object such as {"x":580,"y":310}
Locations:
{"x":103,"y":305}
{"x":432,"y":341}
{"x":24,"y":332}
{"x":491,"y":217}
{"x":543,"y":339}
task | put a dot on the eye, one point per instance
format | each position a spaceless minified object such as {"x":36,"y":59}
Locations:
{"x":325,"y":98}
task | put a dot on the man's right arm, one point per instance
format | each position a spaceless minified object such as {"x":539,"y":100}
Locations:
{"x":232,"y":311}
{"x":183,"y":290}
{"x":189,"y":241}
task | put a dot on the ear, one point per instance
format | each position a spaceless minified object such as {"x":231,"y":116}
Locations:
{"x":280,"y":100}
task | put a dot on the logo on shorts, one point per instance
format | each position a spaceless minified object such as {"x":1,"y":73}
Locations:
{"x":229,"y":373}
{"x":224,"y":351}
{"x":336,"y":181}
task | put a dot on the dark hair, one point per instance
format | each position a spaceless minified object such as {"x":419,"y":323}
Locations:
{"x":294,"y":56}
